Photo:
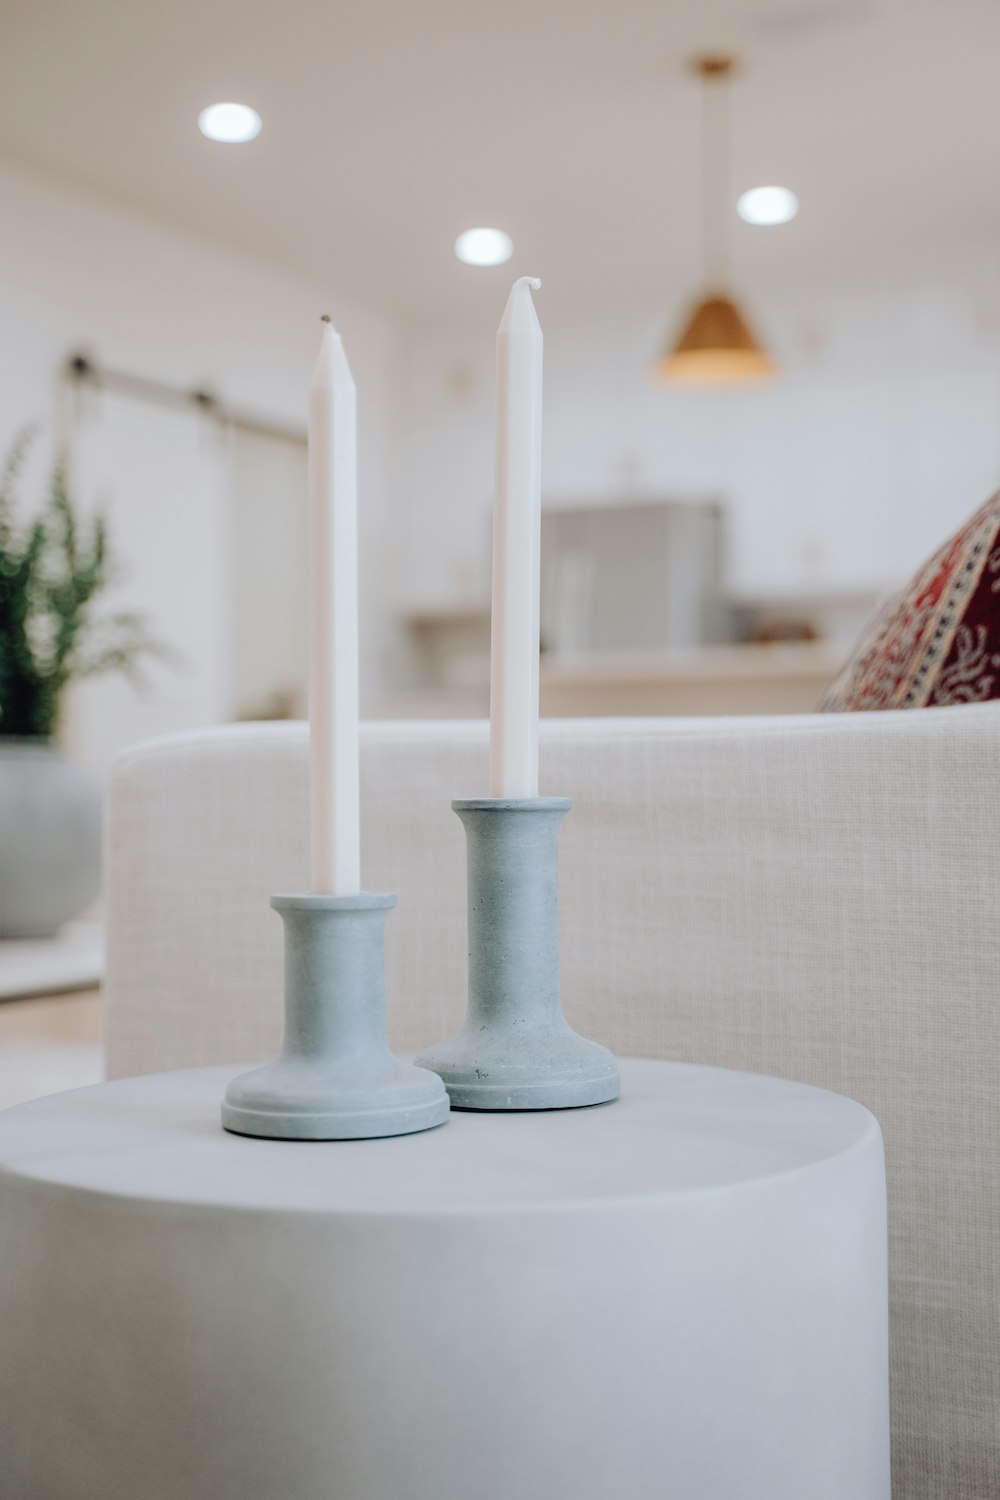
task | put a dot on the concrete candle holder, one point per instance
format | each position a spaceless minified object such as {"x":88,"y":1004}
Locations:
{"x":516,"y":1049}
{"x":336,"y":1078}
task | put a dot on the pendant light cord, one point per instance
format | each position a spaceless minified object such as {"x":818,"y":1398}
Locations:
{"x":715,"y":73}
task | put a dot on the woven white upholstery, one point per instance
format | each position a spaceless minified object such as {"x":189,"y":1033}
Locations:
{"x":814,"y":897}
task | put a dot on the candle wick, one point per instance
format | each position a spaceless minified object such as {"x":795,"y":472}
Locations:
{"x":533,"y":281}
{"x":326,"y":317}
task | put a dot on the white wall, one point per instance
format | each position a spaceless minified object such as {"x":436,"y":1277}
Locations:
{"x":882,"y":433}
{"x":78,"y":271}
{"x":270,"y":551}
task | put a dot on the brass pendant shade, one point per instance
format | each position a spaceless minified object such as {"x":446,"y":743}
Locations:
{"x":716,"y":347}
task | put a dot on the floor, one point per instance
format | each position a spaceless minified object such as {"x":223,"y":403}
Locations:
{"x":49,"y":1044}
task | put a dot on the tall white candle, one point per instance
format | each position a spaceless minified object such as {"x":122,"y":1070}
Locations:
{"x":333,"y":663}
{"x":517,"y":520}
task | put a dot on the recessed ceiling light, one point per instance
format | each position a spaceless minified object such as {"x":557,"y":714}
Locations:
{"x":232,"y":123}
{"x":484,"y":247}
{"x":767,"y":205}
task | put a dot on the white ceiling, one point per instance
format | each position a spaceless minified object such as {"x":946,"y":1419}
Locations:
{"x":391,"y":125}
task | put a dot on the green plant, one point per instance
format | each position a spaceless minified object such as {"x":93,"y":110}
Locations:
{"x":51,"y":572}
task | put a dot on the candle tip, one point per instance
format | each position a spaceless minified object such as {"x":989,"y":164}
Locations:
{"x":520,"y":309}
{"x":331,"y":364}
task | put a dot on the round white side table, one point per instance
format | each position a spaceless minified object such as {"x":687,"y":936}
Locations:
{"x":680,"y":1296}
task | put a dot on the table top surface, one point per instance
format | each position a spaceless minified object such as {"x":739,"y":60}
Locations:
{"x":676,"y":1129}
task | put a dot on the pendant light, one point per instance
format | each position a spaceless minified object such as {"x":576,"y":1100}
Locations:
{"x":716,"y":345}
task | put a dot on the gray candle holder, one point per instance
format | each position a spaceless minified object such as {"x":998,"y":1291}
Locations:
{"x":516,"y":1049}
{"x":336,"y":1078}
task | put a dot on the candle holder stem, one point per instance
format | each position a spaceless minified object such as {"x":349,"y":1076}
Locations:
{"x":516,"y":1049}
{"x":336,"y":1078}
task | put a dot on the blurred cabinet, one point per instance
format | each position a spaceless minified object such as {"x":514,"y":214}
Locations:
{"x":636,"y":620}
{"x":632,"y":577}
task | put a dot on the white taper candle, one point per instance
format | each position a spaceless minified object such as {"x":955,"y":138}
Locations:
{"x":333,"y":663}
{"x":517,"y":519}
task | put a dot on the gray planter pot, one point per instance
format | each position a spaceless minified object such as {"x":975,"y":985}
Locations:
{"x":50,"y":838}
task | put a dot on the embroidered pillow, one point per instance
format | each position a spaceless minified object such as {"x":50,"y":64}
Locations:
{"x":937,"y":642}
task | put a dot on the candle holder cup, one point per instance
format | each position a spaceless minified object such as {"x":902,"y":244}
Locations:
{"x":336,"y":1078}
{"x":516,"y":1049}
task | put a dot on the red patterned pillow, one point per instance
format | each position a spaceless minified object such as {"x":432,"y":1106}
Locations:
{"x":938,"y":641}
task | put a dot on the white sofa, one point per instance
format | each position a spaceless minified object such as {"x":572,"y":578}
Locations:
{"x":814,"y":897}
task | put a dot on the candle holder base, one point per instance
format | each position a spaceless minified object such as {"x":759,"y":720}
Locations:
{"x":518,"y":1069}
{"x":293,"y":1101}
{"x":516,"y":1049}
{"x":336,"y":1078}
